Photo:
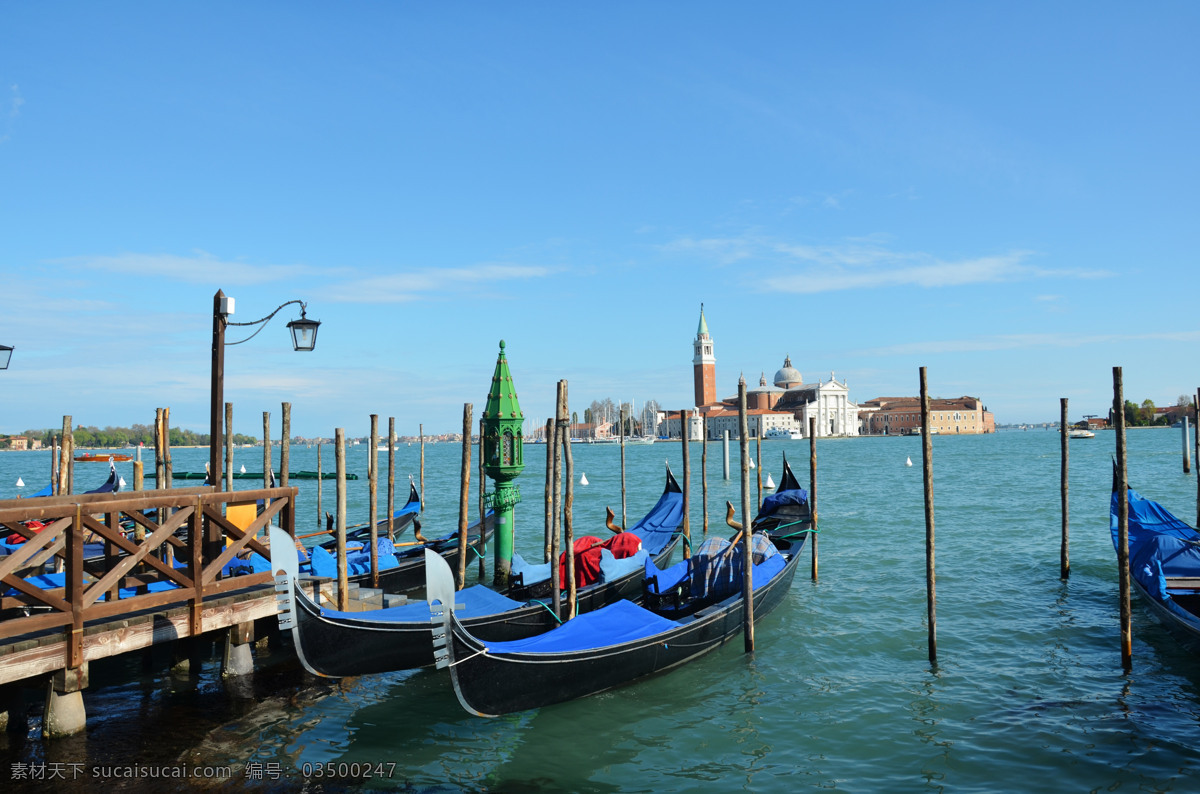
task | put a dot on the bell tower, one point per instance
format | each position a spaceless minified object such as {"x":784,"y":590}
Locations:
{"x":704,"y":364}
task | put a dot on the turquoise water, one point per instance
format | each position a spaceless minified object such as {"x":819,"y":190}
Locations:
{"x":1028,"y":695}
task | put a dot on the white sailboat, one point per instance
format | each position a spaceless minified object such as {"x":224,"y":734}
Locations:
{"x":644,"y":437}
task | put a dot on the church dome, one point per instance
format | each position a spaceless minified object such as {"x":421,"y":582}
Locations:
{"x":788,"y":377}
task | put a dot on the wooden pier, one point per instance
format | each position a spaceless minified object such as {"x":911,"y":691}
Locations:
{"x":157,"y":577}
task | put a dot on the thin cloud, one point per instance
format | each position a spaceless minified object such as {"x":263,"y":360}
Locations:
{"x":200,"y":268}
{"x":864,"y":264}
{"x":1023,"y":342}
{"x":418,"y":284}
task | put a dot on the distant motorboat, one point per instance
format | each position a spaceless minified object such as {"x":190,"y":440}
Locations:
{"x":779,"y":432}
{"x":1080,"y":433}
{"x":101,"y":457}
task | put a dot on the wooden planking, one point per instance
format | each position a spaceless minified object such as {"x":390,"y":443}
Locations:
{"x":31,"y":658}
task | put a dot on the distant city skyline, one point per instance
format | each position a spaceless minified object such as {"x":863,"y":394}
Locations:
{"x":1004,"y":196}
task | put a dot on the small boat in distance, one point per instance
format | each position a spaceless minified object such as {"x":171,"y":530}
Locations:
{"x":779,"y":432}
{"x":101,"y":457}
{"x":1079,"y":432}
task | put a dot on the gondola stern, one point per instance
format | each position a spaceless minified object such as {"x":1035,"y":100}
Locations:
{"x":285,"y":566}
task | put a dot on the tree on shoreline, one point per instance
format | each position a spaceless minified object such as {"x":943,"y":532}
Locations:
{"x":119,"y":437}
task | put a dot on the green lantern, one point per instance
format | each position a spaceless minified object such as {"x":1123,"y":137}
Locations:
{"x":503,"y":460}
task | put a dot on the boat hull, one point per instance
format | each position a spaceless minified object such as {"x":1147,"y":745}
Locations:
{"x":342,"y":646}
{"x":490,"y":684}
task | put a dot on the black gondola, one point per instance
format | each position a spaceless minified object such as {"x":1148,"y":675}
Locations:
{"x":599,"y":650}
{"x":785,"y":514}
{"x":337,"y":644}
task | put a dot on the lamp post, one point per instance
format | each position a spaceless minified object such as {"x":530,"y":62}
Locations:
{"x":304,"y":338}
{"x":502,"y":448}
{"x":5,"y":356}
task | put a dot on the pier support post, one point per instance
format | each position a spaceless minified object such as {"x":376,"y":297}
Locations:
{"x":12,"y":709}
{"x":238,"y":659}
{"x":65,"y":714}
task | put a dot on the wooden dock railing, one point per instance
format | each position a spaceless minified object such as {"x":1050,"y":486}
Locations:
{"x":111,"y":557}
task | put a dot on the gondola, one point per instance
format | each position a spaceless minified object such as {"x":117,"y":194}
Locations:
{"x":337,"y":644}
{"x":609,"y":647}
{"x":1164,"y":565}
{"x":402,"y":519}
{"x":785,"y":514}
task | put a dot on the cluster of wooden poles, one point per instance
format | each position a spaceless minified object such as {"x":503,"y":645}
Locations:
{"x":560,"y":495}
{"x":1118,"y":413}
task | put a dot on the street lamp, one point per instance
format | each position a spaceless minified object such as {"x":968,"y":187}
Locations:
{"x":5,"y":355}
{"x":304,"y":337}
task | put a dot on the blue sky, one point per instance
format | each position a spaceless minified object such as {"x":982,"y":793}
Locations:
{"x":1004,"y":193}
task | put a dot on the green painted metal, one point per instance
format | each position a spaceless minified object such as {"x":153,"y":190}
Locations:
{"x":503,"y":460}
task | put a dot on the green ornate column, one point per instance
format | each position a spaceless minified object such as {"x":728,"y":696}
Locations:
{"x":503,"y":460}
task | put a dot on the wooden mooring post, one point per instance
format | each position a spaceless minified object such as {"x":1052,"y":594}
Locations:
{"x":1121,"y":488}
{"x":1187,"y":447}
{"x":320,"y":513}
{"x":812,"y":489}
{"x":704,"y":475}
{"x":285,"y":443}
{"x":747,"y":518}
{"x":1064,"y":565}
{"x":1196,"y":416}
{"x":564,"y":431}
{"x":685,"y":442}
{"x":339,"y":443}
{"x":482,"y":506}
{"x":373,"y":498}
{"x":624,"y":516}
{"x":267,"y":464}
{"x":421,"y":431}
{"x":927,"y":470}
{"x":216,"y":477}
{"x":556,"y":515}
{"x":464,"y":497}
{"x":725,"y":453}
{"x":551,"y":442}
{"x":391,"y":480}
{"x":759,"y":468}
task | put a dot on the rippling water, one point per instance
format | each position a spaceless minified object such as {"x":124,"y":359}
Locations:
{"x":1028,"y":695}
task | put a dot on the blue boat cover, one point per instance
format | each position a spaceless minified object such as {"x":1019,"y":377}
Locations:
{"x":476,"y":600}
{"x":715,"y":572}
{"x":612,"y":568}
{"x":617,"y":623}
{"x":324,"y":564}
{"x":530,"y":573}
{"x":658,"y":526}
{"x":792,"y":496}
{"x":53,"y":581}
{"x":1160,"y":545}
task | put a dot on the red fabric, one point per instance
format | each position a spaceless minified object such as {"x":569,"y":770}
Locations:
{"x":587,"y":556}
{"x":36,"y":526}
